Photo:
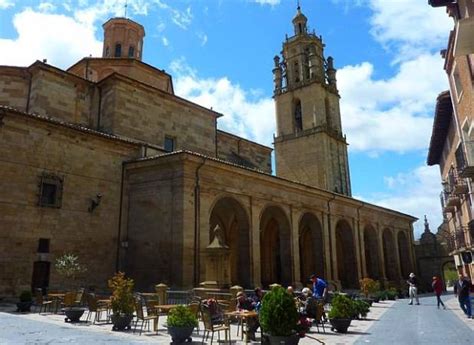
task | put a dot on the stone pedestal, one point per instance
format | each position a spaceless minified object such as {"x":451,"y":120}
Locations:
{"x":162,"y":292}
{"x":218,"y":261}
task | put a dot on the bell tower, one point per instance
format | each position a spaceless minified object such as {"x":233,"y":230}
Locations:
{"x":309,"y":144}
{"x":123,"y":38}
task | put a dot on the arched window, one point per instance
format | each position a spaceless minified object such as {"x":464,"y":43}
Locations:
{"x":328,"y":112}
{"x":118,"y":50}
{"x":298,"y":116}
{"x":131,"y":51}
{"x":297,"y":72}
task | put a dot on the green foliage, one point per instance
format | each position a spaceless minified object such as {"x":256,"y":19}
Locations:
{"x":369,"y":286}
{"x":392,"y":293}
{"x":181,"y":316}
{"x":342,"y":307}
{"x":68,"y":266}
{"x":451,"y":276}
{"x":361,"y":307}
{"x":122,"y":294}
{"x":278,"y":314}
{"x":381,"y":295}
{"x":26,"y":296}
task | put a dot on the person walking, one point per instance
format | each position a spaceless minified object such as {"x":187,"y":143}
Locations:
{"x":413,"y":288}
{"x":461,"y":290}
{"x":320,"y":287}
{"x":437,"y":285}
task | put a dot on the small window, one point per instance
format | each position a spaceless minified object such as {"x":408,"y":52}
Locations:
{"x":50,"y":193}
{"x":131,"y":51}
{"x":118,"y":50}
{"x":169,"y":144}
{"x":43,"y":245}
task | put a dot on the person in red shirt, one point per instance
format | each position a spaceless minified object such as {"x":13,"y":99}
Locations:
{"x":437,"y":285}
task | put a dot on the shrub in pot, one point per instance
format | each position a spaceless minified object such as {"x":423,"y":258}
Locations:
{"x":26,"y":301}
{"x":122,"y":301}
{"x":181,"y":323}
{"x":392,"y":294}
{"x":279,"y":317}
{"x":362,"y":308}
{"x":340,"y":315}
{"x":369,"y":288}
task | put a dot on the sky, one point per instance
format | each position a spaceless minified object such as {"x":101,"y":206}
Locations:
{"x":220,"y":55}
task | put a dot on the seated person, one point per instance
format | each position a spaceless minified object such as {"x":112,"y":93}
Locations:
{"x":247,"y":304}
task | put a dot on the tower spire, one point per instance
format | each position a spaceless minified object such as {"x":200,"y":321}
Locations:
{"x":125,"y":8}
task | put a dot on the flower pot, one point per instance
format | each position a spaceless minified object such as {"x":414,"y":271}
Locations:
{"x":24,"y":307}
{"x":180,"y":334}
{"x":121,"y":322}
{"x":73,"y":314}
{"x":340,"y":325}
{"x":285,"y":340}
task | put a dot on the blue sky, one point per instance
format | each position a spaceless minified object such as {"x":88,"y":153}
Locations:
{"x":220,"y":54}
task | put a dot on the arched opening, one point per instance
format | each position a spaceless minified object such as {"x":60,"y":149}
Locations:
{"x":131,"y":51}
{"x":311,"y":247}
{"x":327,"y":108}
{"x":371,"y":251}
{"x":450,"y":273}
{"x":298,"y":116}
{"x":404,"y":254}
{"x":233,"y":220}
{"x":346,"y":258}
{"x":391,"y":265}
{"x":118,"y":50}
{"x":275,"y":247}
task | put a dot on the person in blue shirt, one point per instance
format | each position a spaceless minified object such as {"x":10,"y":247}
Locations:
{"x":319,"y":287}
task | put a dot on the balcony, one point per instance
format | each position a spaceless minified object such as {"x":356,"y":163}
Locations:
{"x":456,"y":185}
{"x":444,"y":198}
{"x":465,"y":159}
{"x":464,"y":43}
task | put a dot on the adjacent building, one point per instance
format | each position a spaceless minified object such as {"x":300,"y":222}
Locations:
{"x":105,"y":161}
{"x":452,"y":139}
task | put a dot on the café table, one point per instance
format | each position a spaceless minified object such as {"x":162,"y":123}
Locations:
{"x":56,"y":297}
{"x":243,"y":317}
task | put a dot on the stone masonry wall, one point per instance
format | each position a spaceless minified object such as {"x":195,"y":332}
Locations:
{"x":88,"y":165}
{"x":14,"y":87}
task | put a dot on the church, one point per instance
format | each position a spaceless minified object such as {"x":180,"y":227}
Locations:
{"x":103,"y":160}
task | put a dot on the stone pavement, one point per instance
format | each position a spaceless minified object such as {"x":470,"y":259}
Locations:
{"x":422,"y":324}
{"x":388,"y":322}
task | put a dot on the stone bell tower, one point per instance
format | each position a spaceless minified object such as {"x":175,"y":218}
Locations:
{"x":309,"y":144}
{"x":123,"y":38}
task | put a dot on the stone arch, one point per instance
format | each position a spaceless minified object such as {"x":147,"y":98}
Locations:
{"x":371,"y":252}
{"x":346,"y":258}
{"x":311,"y":247}
{"x":232,"y":217}
{"x":275,"y":247}
{"x":390,"y":257}
{"x":298,"y":115}
{"x":404,"y":254}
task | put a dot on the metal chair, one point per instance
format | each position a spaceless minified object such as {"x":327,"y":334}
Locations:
{"x":41,"y":302}
{"x":212,"y":327}
{"x":95,"y":307}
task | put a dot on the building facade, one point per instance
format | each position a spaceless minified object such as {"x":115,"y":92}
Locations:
{"x":105,"y":161}
{"x":452,"y":139}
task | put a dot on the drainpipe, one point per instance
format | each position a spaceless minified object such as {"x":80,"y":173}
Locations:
{"x":119,"y":240}
{"x":329,"y":237}
{"x":197,"y":210}
{"x":29,"y":92}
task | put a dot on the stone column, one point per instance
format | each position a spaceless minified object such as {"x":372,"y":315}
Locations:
{"x":383,"y":274}
{"x":295,"y":248}
{"x":255,"y":242}
{"x":356,"y":236}
{"x":162,"y":292}
{"x":362,"y":251}
{"x":397,"y":253}
{"x":326,"y":248}
{"x":332,"y":232}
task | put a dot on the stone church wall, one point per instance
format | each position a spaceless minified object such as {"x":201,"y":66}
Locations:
{"x":14,"y":86}
{"x":88,"y":165}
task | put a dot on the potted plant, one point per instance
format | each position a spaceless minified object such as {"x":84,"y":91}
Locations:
{"x":392,"y":294}
{"x":369,"y":288}
{"x":340,"y":315}
{"x":122,"y":301}
{"x":68,"y":266}
{"x":26,"y":301}
{"x":279,"y":317}
{"x":361,"y":308}
{"x":181,"y":323}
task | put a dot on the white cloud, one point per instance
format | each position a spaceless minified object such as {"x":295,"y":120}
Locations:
{"x":202,"y":37}
{"x":165,"y":41}
{"x":60,"y":47}
{"x":46,"y":7}
{"x":4,"y":4}
{"x":244,"y":115}
{"x":268,"y":2}
{"x":376,"y":112}
{"x":415,"y":192}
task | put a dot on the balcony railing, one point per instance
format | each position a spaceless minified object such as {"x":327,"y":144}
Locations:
{"x":465,"y":159}
{"x":457,"y":184}
{"x":446,"y":206}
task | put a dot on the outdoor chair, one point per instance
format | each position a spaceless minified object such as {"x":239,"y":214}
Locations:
{"x":144,"y":319}
{"x":95,"y":307}
{"x":315,"y":310}
{"x":212,"y":327}
{"x":41,"y":302}
{"x":69,"y":299}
